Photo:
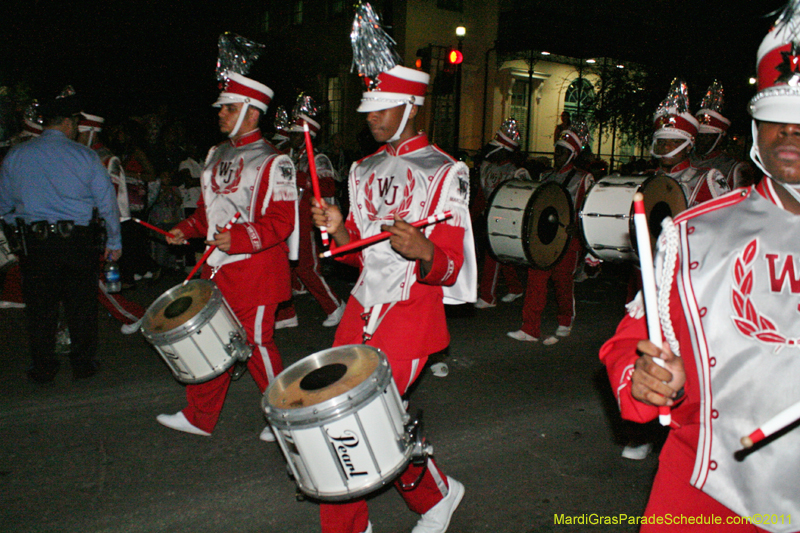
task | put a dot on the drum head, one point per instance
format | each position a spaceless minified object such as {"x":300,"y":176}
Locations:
{"x":326,"y":383}
{"x":178,"y":306}
{"x":548,"y":213}
{"x":663,"y":197}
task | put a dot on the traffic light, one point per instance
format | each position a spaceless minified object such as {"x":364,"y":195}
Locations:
{"x":455,"y":57}
{"x":452,"y":60}
{"x":423,"y":62}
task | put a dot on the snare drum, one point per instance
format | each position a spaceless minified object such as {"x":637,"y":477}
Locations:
{"x":195,"y":331}
{"x":526,"y":223}
{"x":607,"y":213}
{"x":340,"y":422}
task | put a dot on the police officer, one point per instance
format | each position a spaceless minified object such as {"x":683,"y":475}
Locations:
{"x":49,"y":188}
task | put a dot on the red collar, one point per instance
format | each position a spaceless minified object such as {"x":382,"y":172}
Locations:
{"x":683,"y":165}
{"x":247,"y":138}
{"x":411,"y":145}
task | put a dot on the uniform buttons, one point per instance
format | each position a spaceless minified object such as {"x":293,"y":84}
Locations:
{"x":690,"y":230}
{"x":714,"y":414}
{"x":703,"y":312}
{"x":693,"y":265}
{"x":422,"y":204}
{"x":712,"y":361}
{"x":712,"y":465}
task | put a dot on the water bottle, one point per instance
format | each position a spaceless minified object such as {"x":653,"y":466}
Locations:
{"x":112,"y":276}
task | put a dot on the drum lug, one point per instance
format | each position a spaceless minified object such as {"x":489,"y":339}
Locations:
{"x":237,"y":347}
{"x":421,"y":449}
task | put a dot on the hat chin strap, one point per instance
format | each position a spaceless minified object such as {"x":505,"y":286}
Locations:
{"x":673,"y":153}
{"x":754,"y":154}
{"x":239,"y":120}
{"x":719,"y":138}
{"x":403,"y":123}
{"x":793,"y":190}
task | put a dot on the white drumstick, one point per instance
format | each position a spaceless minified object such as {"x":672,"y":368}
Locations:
{"x":649,"y":288}
{"x":786,"y":417}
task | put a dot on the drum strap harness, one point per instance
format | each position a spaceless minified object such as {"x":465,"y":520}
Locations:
{"x":372,"y":319}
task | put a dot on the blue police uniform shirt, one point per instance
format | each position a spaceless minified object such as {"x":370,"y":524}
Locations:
{"x":53,"y":178}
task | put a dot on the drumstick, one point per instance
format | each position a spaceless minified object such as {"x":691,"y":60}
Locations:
{"x":228,"y":226}
{"x":152,"y":227}
{"x":382,"y":236}
{"x":788,"y":416}
{"x":312,"y":169}
{"x":649,"y":288}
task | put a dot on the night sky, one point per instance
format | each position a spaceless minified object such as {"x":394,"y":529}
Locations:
{"x":129,"y":56}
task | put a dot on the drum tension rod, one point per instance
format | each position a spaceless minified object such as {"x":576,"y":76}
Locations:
{"x":422,"y":450}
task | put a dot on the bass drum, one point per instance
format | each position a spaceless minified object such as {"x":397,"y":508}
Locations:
{"x":195,"y":331}
{"x":526,"y":223}
{"x":340,"y":422}
{"x":607,"y":214}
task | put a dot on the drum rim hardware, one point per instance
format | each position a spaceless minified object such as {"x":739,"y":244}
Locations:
{"x":191,"y":325}
{"x":334,"y":408}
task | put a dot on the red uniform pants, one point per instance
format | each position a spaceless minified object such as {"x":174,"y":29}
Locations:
{"x":562,"y":275}
{"x":491,"y":272}
{"x":205,"y":400}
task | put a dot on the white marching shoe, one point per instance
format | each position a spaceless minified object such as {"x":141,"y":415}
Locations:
{"x":522,"y":336}
{"x":510,"y":297}
{"x":483,"y":304}
{"x":437,"y":519}
{"x":287,"y":323}
{"x":636,"y":452}
{"x":178,"y":422}
{"x":563,"y":331}
{"x":334,"y":318}
{"x":267,"y":435}
{"x":369,"y":528}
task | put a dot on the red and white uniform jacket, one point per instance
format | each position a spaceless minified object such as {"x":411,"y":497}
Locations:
{"x":733,"y":300}
{"x":249,"y":176}
{"x":737,"y":173}
{"x":492,"y":175}
{"x":413,"y":181}
{"x":117,"y":174}
{"x":698,"y":184}
{"x":575,"y":180}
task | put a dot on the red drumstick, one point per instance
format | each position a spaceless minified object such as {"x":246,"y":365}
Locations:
{"x":312,"y":169}
{"x":433,"y":219}
{"x":152,"y":227}
{"x":649,"y":288}
{"x":228,"y":226}
{"x":786,"y":417}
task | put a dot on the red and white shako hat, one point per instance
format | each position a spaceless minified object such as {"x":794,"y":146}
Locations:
{"x":31,"y":128}
{"x":397,"y":86}
{"x":672,"y":119}
{"x":507,"y":137}
{"x":89,"y":122}
{"x":575,"y":138}
{"x":778,"y":61}
{"x":239,"y":88}
{"x":710,"y":115}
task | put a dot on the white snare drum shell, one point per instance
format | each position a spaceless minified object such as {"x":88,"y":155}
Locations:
{"x":344,"y":446}
{"x":205,"y":339}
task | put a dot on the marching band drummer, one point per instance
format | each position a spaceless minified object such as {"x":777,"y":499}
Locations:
{"x":727,"y":309}
{"x":577,"y":182}
{"x":502,"y":163}
{"x":673,"y":142}
{"x":251,"y":263}
{"x":404,"y":280}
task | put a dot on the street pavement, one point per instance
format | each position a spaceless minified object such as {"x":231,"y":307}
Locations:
{"x":532,"y":431}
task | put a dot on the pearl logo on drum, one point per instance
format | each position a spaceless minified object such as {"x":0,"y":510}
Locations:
{"x":343,"y":445}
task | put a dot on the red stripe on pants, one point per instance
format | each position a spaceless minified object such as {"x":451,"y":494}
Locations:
{"x":205,"y":400}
